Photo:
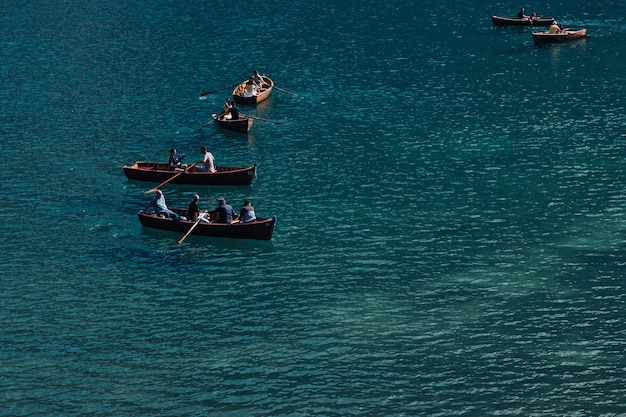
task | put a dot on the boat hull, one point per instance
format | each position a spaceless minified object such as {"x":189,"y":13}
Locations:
{"x":158,"y":172}
{"x":262,"y":229}
{"x":240,"y":97}
{"x":241,"y":125}
{"x":566,"y":36}
{"x":516,"y":21}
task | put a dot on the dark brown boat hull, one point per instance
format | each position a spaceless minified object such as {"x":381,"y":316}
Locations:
{"x":240,"y":98}
{"x":516,"y":21}
{"x":241,"y":125}
{"x":262,"y":229}
{"x":157,"y":172}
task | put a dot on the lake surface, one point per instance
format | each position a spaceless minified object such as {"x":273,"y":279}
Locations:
{"x":450,"y":202}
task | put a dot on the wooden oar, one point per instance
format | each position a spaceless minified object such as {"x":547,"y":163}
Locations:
{"x":151,"y":190}
{"x":206,"y":93}
{"x":285,"y":91}
{"x":191,"y":229}
{"x":265,"y":120}
{"x":205,"y":125}
{"x":212,"y":120}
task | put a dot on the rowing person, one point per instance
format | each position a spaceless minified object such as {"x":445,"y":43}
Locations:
{"x":159,"y":206}
{"x":258,"y":80}
{"x":208,"y":161}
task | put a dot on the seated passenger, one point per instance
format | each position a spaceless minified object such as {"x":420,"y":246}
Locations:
{"x":175,"y":163}
{"x":554,"y":28}
{"x":226,"y":112}
{"x":251,"y":88}
{"x":224,"y":213}
{"x":193,"y":212}
{"x":247,"y":212}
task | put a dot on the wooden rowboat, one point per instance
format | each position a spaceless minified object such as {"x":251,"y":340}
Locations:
{"x":240,"y":96}
{"x":525,"y":21}
{"x":261,"y":229}
{"x":241,"y":125}
{"x":159,"y":172}
{"x":568,"y":34}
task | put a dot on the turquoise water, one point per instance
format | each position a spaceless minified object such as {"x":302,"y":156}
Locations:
{"x":450,"y":204}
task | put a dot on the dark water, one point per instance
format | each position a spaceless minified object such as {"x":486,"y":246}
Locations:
{"x":450,"y":203}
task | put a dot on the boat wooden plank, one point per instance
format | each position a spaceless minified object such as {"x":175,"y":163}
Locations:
{"x":516,"y":21}
{"x":568,"y":34}
{"x":159,"y":172}
{"x":241,"y":125}
{"x":261,"y":229}
{"x":240,"y":97}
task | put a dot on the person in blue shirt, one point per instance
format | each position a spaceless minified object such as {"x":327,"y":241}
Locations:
{"x":246,"y":214}
{"x":160,"y":207}
{"x":224,"y":213}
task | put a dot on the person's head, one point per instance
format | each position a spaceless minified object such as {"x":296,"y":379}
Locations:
{"x":255,"y":72}
{"x":173,"y":151}
{"x":221,"y":201}
{"x":196,"y":198}
{"x":158,"y":193}
{"x":203,"y":149}
{"x":246,"y":202}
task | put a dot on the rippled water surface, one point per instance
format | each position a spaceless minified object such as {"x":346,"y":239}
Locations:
{"x":450,"y":203}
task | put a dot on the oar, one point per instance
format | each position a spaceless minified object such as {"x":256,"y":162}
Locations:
{"x":285,"y":91}
{"x":205,"y":125}
{"x":151,"y":190}
{"x":206,"y":93}
{"x":190,"y":229}
{"x":265,"y":120}
{"x":212,"y":120}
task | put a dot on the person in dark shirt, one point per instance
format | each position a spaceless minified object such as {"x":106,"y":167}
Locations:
{"x":175,"y":162}
{"x":224,"y":213}
{"x":193,"y":210}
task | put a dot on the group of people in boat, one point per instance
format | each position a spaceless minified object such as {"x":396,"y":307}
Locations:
{"x":521,"y":15}
{"x":230,"y":110}
{"x":223,"y":213}
{"x":207,"y":163}
{"x":252,"y":87}
{"x":554,"y":27}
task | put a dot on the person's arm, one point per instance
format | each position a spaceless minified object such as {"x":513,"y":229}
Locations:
{"x":146,"y":207}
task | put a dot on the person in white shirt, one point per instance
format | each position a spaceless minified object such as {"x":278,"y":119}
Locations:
{"x":208,"y":161}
